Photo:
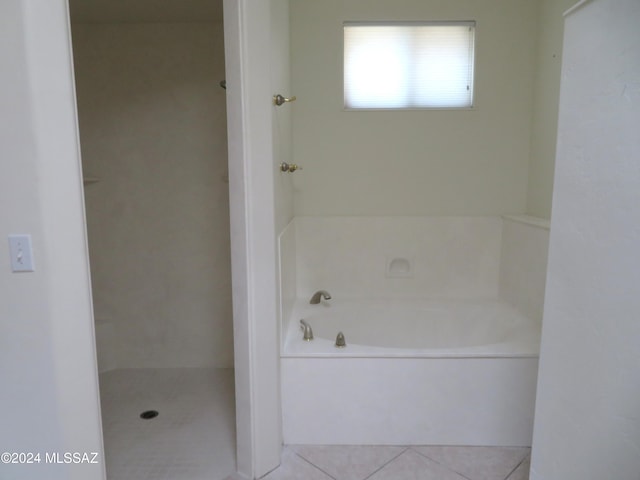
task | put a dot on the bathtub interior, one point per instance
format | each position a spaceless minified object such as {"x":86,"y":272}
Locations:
{"x":412,"y":328}
{"x":473,"y":280}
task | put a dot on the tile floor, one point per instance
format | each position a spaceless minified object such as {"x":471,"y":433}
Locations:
{"x":307,"y":462}
{"x":192,"y":438}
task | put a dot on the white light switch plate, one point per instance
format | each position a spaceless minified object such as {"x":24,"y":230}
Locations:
{"x":21,"y":254}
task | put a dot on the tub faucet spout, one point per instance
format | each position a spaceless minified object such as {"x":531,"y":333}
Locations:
{"x":316,"y":297}
{"x":307,"y":336}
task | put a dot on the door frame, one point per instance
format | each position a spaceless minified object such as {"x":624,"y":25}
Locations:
{"x":253,"y":236}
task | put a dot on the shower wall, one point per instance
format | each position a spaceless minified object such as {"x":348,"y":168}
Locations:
{"x":153,"y":131}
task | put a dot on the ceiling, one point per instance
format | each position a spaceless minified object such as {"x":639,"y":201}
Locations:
{"x":145,"y":11}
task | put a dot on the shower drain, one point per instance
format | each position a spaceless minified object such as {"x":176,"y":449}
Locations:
{"x":149,"y":414}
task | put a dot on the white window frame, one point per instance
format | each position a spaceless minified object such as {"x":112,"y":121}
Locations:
{"x":467,"y":23}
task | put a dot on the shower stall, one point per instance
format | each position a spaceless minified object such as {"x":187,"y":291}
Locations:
{"x":152,"y":121}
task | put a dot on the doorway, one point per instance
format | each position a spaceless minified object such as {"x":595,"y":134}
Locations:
{"x":152,"y":123}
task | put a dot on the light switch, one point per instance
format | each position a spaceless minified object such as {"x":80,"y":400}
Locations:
{"x":21,"y":254}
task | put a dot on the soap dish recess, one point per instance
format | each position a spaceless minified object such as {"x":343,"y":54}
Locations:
{"x":399,"y":267}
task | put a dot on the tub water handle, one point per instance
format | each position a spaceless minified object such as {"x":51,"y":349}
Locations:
{"x":307,"y":336}
{"x":341,"y":342}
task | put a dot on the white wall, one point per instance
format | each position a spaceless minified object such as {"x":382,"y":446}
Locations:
{"x":280,"y":53}
{"x":587,"y":419}
{"x":470,"y":162}
{"x":49,"y":393}
{"x":544,"y":123}
{"x":153,"y":127}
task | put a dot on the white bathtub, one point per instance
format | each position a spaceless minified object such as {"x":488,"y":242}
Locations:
{"x":413,"y":372}
{"x":414,"y":328}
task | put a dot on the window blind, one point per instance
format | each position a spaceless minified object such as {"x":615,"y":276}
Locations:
{"x":408,"y":65}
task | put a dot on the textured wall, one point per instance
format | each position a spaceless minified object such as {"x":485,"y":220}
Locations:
{"x":435,"y":162}
{"x":587,"y":406}
{"x":153,"y":129}
{"x":49,"y":398}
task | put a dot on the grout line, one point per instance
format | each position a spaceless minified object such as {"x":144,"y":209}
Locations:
{"x":313,"y":465}
{"x":269,"y":472}
{"x":441,"y":464}
{"x":393,"y":459}
{"x":517,"y":466}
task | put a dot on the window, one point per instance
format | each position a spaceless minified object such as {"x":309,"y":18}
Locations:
{"x":408,"y":65}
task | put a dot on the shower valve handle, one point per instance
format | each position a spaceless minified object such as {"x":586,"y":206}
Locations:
{"x":280,"y":100}
{"x":289,"y":167}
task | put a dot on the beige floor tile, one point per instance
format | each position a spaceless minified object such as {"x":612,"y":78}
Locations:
{"x":348,"y":462}
{"x":522,"y":472}
{"x":413,"y":466}
{"x":477,"y":463}
{"x":295,"y":468}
